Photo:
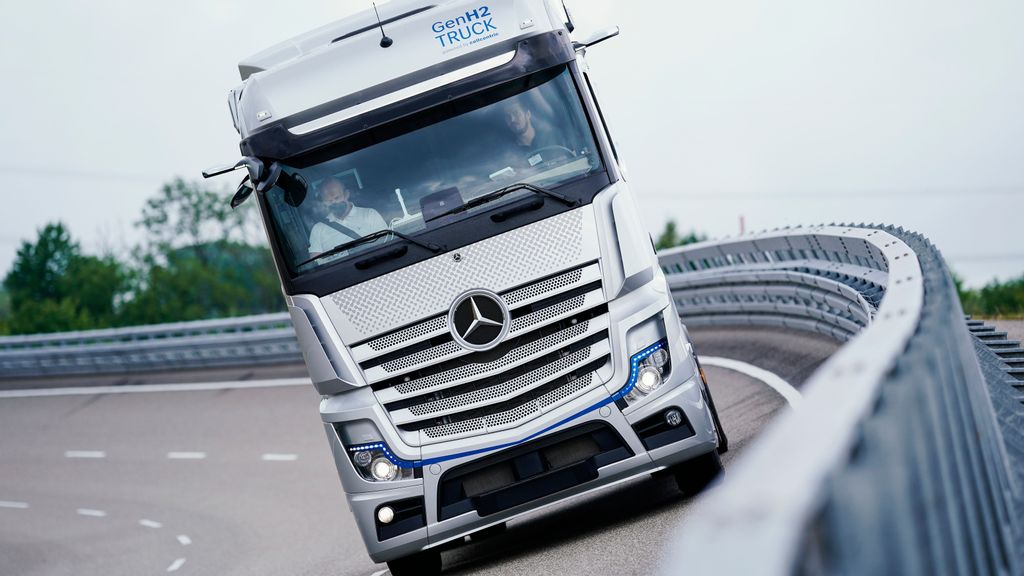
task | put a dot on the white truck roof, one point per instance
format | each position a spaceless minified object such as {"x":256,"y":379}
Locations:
{"x":345,"y":57}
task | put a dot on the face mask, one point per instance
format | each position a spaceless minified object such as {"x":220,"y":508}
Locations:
{"x":340,"y":208}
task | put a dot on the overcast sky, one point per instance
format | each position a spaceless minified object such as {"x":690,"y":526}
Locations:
{"x":785,"y":113}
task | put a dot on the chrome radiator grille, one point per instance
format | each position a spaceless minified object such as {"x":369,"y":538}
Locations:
{"x":435,"y":391}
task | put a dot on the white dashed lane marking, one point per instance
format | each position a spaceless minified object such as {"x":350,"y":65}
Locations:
{"x":91,"y":512}
{"x":186,"y":455}
{"x":279,"y":457}
{"x":785,"y":389}
{"x":85,"y":454}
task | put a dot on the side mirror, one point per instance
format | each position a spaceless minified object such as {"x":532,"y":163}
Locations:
{"x":244,"y":190}
{"x":260,"y":178}
{"x":295,"y":188}
{"x":596,"y":38}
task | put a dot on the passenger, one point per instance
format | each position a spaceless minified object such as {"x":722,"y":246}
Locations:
{"x":344,"y":220}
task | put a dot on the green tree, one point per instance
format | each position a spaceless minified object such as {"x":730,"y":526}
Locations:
{"x":995,"y":299}
{"x":39,"y":268}
{"x":53,"y":286}
{"x":200,"y":259}
{"x":998,"y":299}
{"x":5,"y":312}
{"x":187,"y":214}
{"x":670,"y":237}
{"x":213,"y":280}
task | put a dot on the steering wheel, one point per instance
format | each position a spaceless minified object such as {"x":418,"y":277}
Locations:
{"x":553,"y":147}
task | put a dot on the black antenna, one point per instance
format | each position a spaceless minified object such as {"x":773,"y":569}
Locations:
{"x":384,"y":40}
{"x":569,"y":24}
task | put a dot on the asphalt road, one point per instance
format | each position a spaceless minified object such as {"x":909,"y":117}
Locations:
{"x":241,"y":482}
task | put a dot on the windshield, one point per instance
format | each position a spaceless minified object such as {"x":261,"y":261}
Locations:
{"x":411,"y":176}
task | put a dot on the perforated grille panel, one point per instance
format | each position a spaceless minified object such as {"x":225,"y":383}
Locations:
{"x":515,"y":355}
{"x":515,"y":416}
{"x":503,"y":390}
{"x":438,"y":325}
{"x":422,"y":356}
{"x":547,"y":313}
{"x":570,"y":389}
{"x":429,"y":287}
{"x":434,"y":389}
{"x":551,"y":284}
{"x":456,"y":428}
{"x":415,"y":331}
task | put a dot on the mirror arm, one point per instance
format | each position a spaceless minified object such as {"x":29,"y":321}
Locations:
{"x":253,"y":165}
{"x":270,"y":179}
{"x":596,"y":38}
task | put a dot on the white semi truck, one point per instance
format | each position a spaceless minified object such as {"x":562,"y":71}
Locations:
{"x":473,"y":287}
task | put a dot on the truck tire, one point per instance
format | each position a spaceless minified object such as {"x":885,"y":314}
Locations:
{"x":694,"y":475}
{"x":723,"y":440}
{"x":424,"y":563}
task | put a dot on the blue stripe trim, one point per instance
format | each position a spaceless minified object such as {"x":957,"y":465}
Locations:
{"x":634,"y":363}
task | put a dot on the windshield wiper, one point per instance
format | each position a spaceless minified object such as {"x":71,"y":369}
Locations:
{"x":490,"y":196}
{"x":370,"y":238}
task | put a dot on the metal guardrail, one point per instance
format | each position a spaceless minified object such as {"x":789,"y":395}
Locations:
{"x":897,"y":461}
{"x":264,"y":339}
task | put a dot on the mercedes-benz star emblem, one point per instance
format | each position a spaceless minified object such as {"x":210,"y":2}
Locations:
{"x":479,"y":320}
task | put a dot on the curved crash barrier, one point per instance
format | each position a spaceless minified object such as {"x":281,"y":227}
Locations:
{"x":907,"y":453}
{"x":247,"y":341}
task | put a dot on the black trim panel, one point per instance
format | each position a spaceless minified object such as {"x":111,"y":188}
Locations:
{"x":530,"y":471}
{"x":275,"y":142}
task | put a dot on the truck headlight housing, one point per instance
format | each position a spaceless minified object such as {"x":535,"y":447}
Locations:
{"x":375,"y":463}
{"x":649,"y":369}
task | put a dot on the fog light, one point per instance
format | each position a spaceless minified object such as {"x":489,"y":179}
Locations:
{"x":383,"y":469}
{"x":673,"y":417}
{"x":362,"y":458}
{"x":648,"y":380}
{"x":385,"y":515}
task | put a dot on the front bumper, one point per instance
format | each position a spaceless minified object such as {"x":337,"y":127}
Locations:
{"x":682,"y":390}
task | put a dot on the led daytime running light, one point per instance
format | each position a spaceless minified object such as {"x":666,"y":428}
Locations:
{"x":634,"y":368}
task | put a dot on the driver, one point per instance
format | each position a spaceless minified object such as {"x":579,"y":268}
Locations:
{"x":532,"y":146}
{"x":527,"y":135}
{"x":344,"y":220}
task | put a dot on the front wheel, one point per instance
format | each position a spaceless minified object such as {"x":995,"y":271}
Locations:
{"x":423,"y":563}
{"x":723,"y":440}
{"x":694,"y":475}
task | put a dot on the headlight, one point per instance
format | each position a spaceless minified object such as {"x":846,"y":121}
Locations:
{"x":383,"y":469}
{"x":375,"y":463}
{"x":362,"y":458}
{"x":648,"y":370}
{"x":658,"y":358}
{"x":649,"y":380}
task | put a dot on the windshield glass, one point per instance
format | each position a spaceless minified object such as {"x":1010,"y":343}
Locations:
{"x":408,"y":176}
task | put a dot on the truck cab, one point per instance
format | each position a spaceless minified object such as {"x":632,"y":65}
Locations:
{"x":476,"y":296}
